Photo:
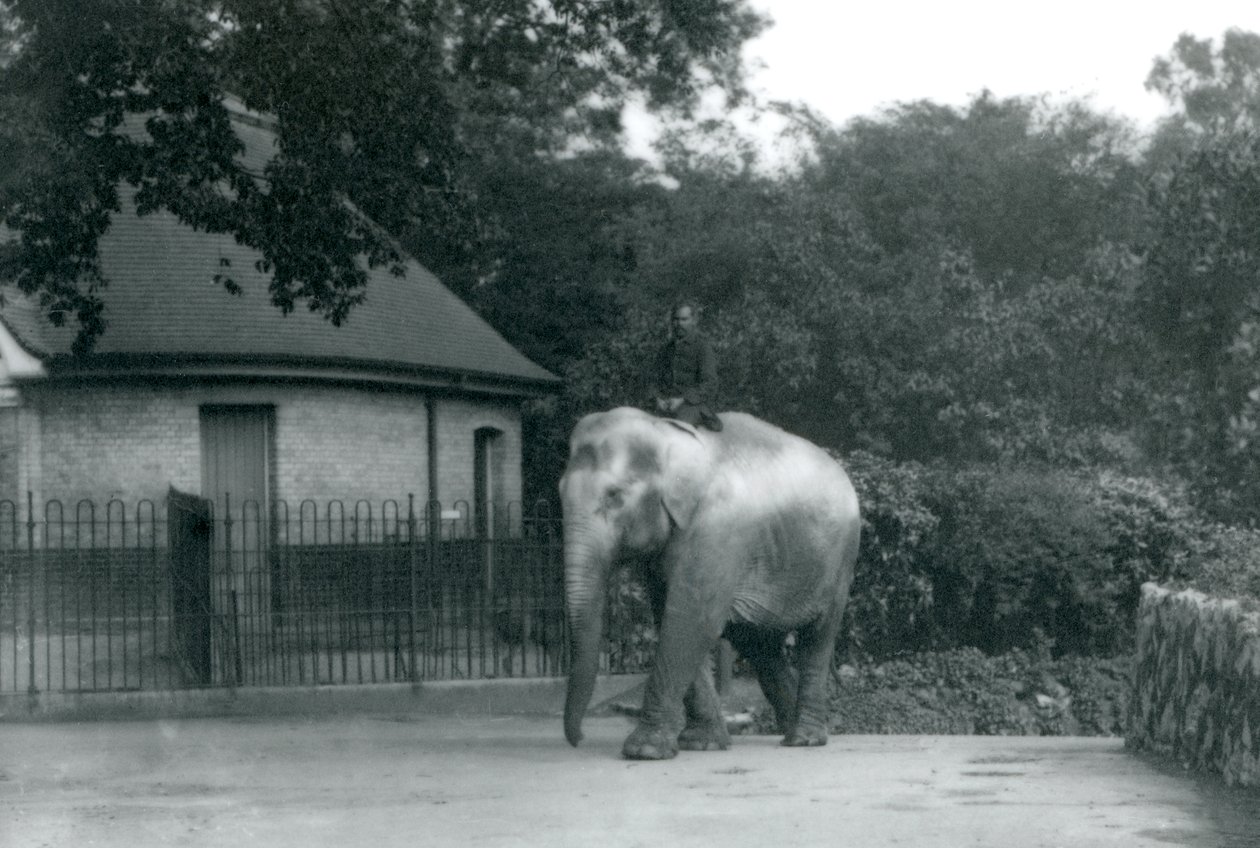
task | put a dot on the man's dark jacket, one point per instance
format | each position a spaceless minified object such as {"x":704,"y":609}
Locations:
{"x":687,"y":368}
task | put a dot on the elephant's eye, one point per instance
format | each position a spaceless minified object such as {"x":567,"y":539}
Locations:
{"x":613,"y":496}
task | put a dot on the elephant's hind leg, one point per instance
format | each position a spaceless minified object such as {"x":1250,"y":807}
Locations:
{"x":764,"y":652}
{"x":815,"y":647}
{"x":705,"y":729}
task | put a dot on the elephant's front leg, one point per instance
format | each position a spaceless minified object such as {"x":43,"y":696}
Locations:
{"x":688,"y":630}
{"x":705,"y":729}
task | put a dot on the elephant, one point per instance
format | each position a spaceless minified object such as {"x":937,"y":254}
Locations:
{"x":749,"y":533}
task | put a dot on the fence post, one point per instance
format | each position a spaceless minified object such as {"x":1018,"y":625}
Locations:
{"x":435,"y":589}
{"x":235,"y":631}
{"x":413,"y":565}
{"x":30,"y":591}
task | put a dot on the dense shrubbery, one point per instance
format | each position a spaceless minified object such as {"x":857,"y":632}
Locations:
{"x":892,"y":597}
{"x":1225,"y":564}
{"x":1003,"y":558}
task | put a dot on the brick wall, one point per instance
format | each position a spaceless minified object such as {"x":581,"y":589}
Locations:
{"x":134,"y":441}
{"x":21,"y":472}
{"x":117,"y":441}
{"x":457,"y":424}
{"x":348,"y":444}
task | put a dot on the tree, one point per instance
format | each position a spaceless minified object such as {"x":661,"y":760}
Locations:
{"x":1201,"y":298}
{"x":823,"y":323}
{"x":1023,"y":188}
{"x":384,"y":113}
{"x":850,"y":304}
{"x":1211,"y":90}
{"x":1198,"y":294}
{"x":564,"y":268}
{"x":1214,"y":91}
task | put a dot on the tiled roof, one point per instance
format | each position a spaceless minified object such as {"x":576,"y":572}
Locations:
{"x":163,"y":305}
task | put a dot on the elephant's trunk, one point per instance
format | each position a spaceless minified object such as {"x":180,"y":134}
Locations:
{"x":586,"y":581}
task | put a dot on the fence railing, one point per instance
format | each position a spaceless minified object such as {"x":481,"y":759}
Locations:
{"x":169,"y":595}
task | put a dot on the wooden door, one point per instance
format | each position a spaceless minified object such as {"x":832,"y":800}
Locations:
{"x":235,"y":457}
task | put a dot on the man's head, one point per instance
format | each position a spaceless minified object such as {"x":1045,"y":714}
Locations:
{"x":682,"y":320}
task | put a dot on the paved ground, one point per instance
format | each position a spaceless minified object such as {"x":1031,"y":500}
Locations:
{"x":399,"y":779}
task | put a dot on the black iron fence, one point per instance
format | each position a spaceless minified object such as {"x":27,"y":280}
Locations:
{"x":169,"y":595}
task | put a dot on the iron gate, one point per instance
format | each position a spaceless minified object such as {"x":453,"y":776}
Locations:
{"x":189,"y":534}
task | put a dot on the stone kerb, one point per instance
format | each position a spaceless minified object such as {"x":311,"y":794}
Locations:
{"x":1197,"y":683}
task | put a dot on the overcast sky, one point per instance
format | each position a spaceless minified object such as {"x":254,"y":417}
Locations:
{"x":850,"y":59}
{"x":847,"y":59}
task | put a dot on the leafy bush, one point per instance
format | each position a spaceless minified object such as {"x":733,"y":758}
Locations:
{"x":1001,"y":558}
{"x":892,"y":593}
{"x":1018,"y":559}
{"x":1225,"y":564}
{"x":1153,"y":525}
{"x":1031,"y":555}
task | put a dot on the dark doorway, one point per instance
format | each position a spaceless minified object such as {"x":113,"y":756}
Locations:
{"x":189,"y":531}
{"x":487,"y":479}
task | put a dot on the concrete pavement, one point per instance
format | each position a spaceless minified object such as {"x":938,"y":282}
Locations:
{"x":422,"y":780}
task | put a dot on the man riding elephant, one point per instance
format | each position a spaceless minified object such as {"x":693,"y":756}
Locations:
{"x":684,"y":374}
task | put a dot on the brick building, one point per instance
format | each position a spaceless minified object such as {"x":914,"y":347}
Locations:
{"x":224,"y":396}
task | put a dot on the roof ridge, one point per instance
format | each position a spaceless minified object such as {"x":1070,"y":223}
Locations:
{"x":235,"y":105}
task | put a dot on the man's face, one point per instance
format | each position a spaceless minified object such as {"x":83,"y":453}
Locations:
{"x":682,"y":322}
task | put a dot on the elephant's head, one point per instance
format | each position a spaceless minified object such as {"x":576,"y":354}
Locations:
{"x":632,"y":480}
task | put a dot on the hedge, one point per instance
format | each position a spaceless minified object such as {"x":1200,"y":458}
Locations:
{"x":1002,"y":558}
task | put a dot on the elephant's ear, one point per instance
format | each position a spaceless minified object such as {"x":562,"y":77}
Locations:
{"x":685,"y":472}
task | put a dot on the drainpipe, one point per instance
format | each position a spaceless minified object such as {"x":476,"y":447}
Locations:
{"x":430,"y":426}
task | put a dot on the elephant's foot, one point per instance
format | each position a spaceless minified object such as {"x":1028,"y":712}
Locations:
{"x":806,"y":737}
{"x":709,"y":736}
{"x":650,"y":743}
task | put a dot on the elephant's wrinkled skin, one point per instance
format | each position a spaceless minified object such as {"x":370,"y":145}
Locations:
{"x":750,"y":533}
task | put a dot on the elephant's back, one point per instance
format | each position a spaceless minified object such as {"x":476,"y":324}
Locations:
{"x":751,"y":439}
{"x":782,"y":465}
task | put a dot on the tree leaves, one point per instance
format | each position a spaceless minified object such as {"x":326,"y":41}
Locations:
{"x":1201,"y":298}
{"x":385,"y":114}
{"x":1024,"y":188}
{"x":1213,"y":90}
